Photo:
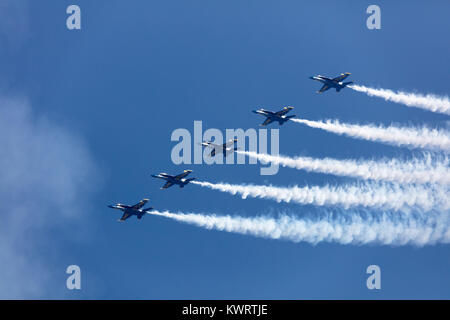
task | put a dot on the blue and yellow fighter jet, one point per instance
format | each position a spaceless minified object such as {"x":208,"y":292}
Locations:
{"x":279,"y":116}
{"x":171,"y":180}
{"x":332,"y":83}
{"x":135,"y":210}
{"x":226,"y":148}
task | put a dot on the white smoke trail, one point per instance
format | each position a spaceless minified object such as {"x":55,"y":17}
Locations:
{"x":354,"y":229}
{"x":398,"y":136}
{"x":426,"y":170}
{"x":428,"y":102}
{"x":376,"y":195}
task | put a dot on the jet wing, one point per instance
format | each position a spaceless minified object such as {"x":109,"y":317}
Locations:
{"x":125,"y":216}
{"x":184,"y":174}
{"x":216,"y":148}
{"x":229,"y":151}
{"x":341,"y":77}
{"x":140,"y":204}
{"x":229,"y":143}
{"x":324,"y":88}
{"x":210,"y":144}
{"x":167,"y":185}
{"x":223,"y":150}
{"x":213,"y":151}
{"x":264,"y":112}
{"x":265,"y":123}
{"x":283,"y":112}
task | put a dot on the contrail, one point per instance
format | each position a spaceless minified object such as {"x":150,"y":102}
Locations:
{"x":398,"y":136}
{"x":355,"y":229}
{"x":428,"y":102}
{"x":376,"y":195}
{"x":426,"y":170}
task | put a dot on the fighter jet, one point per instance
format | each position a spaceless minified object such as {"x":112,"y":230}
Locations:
{"x":226,"y":149}
{"x":332,"y":83}
{"x":129,"y":211}
{"x":271,"y":116}
{"x":171,"y":180}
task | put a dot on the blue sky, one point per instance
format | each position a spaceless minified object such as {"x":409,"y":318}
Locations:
{"x":98,"y":106}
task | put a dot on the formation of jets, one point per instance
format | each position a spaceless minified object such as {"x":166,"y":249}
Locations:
{"x":332,"y":83}
{"x":136,"y":210}
{"x":227,"y":148}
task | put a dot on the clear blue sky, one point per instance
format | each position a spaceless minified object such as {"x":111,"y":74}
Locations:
{"x":138,"y":70}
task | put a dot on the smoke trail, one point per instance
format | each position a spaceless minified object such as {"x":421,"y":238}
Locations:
{"x":398,"y":136}
{"x":426,"y":170}
{"x":354,"y":229}
{"x":429,"y":102}
{"x":377,"y":195}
